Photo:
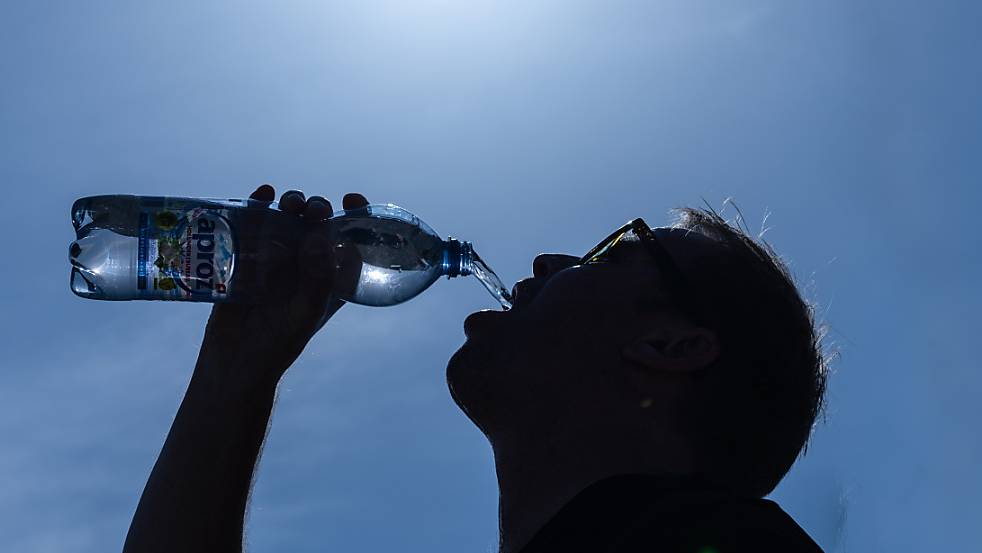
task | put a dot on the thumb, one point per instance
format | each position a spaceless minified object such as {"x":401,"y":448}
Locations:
{"x":316,"y":271}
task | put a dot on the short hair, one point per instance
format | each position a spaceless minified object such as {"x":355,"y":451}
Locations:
{"x":754,"y":409}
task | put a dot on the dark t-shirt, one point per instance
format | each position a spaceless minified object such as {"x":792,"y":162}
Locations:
{"x":650,"y":514}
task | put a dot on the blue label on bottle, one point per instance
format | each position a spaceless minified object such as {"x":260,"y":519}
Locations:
{"x":141,"y":266}
{"x":185,"y":252}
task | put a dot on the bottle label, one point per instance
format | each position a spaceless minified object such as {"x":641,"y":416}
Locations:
{"x":184,"y":253}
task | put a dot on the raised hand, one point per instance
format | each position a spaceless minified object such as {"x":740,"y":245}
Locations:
{"x":299,"y":278}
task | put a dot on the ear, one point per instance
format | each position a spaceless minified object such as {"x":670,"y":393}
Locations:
{"x":679,"y":348}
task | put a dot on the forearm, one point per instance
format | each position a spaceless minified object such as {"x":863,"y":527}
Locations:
{"x":195,"y":498}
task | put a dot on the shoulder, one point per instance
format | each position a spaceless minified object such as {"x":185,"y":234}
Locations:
{"x":717,"y":525}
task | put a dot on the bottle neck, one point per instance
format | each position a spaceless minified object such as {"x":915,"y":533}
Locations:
{"x":457,"y":258}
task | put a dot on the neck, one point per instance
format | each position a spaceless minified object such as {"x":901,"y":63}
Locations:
{"x":535,"y":484}
{"x":529,"y":495}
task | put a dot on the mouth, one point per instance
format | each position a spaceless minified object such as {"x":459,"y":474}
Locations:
{"x":481,"y":322}
{"x":525,"y":291}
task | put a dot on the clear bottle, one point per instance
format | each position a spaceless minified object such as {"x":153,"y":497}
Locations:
{"x":163,"y":248}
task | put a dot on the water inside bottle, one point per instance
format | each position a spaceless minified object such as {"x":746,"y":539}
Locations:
{"x":385,"y":261}
{"x":491,"y":281}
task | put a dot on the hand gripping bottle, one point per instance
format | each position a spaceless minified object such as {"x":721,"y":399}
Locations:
{"x":162,"y":248}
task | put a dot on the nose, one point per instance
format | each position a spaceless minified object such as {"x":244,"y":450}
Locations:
{"x":547,"y":264}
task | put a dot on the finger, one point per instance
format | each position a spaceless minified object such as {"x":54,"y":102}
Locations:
{"x":264,"y":193}
{"x":354,"y":201}
{"x":293,"y":201}
{"x":318,"y":209}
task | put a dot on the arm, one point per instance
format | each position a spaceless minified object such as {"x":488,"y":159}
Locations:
{"x":196,"y":496}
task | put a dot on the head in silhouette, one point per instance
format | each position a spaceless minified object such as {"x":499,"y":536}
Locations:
{"x":686,"y":350}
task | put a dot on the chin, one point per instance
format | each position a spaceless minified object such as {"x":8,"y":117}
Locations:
{"x":464,"y":370}
{"x":472,"y":375}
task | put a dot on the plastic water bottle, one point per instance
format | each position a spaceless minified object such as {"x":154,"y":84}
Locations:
{"x":190,"y":249}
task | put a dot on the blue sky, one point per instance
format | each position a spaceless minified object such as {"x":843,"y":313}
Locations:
{"x":523,"y":127}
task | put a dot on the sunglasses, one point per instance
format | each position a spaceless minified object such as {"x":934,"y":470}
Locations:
{"x":663,"y":260}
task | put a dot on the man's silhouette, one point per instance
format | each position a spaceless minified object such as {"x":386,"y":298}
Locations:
{"x":643,"y":397}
